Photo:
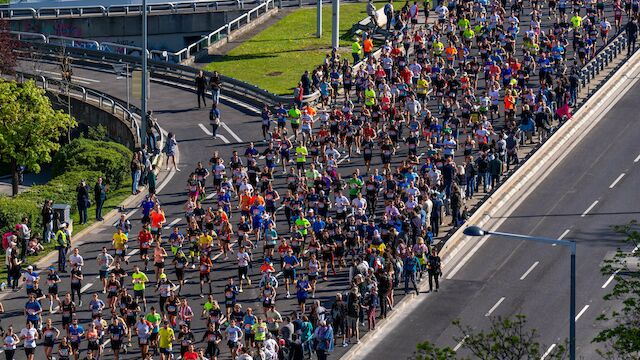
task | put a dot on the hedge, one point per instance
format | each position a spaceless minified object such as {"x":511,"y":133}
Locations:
{"x":109,"y":158}
{"x":82,"y":159}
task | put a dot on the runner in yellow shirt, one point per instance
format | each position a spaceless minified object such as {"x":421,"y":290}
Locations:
{"x":166,"y":337}
{"x":119,"y":242}
{"x":205,"y":242}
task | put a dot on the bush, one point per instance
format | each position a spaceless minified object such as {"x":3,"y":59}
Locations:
{"x":12,"y":210}
{"x":61,"y":189}
{"x":109,"y":158}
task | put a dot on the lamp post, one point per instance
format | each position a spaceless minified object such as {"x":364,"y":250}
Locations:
{"x":145,"y":75}
{"x":571,"y":244}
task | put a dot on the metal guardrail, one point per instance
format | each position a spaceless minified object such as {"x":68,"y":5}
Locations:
{"x":104,"y":101}
{"x":16,"y":13}
{"x":176,"y":57}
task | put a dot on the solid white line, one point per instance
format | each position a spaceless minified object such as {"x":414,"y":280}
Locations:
{"x":204,"y":128}
{"x":495,"y":306}
{"x":234,"y":135}
{"x":210,"y":196}
{"x":616,"y":180}
{"x":133,"y":252}
{"x":530,"y":270}
{"x":549,"y":350}
{"x":610,"y":279}
{"x":460,"y":343}
{"x":589,"y":208}
{"x":346,"y":156}
{"x":466,"y":258}
{"x":637,"y":159}
{"x":84,"y":288}
{"x":584,"y":309}
{"x":172,"y":223}
{"x":106,"y":343}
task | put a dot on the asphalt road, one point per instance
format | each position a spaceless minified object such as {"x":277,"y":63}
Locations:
{"x":507,"y":277}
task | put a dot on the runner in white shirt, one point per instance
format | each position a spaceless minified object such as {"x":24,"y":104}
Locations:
{"x":244,"y":259}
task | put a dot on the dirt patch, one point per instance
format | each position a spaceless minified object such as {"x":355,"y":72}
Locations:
{"x":275,"y":73}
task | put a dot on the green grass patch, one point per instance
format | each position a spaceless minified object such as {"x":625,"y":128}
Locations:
{"x":275,"y":58}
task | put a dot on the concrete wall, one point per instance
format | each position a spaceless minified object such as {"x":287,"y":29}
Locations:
{"x":87,"y":115}
{"x":166,"y":31}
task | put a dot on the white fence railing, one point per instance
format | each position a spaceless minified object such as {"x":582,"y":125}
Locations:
{"x":174,"y":57}
{"x":119,"y":10}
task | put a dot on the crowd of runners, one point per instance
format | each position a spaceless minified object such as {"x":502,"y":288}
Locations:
{"x":356,"y":186}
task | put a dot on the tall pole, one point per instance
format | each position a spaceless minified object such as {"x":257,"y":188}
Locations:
{"x":143,"y":100}
{"x":571,"y":244}
{"x":335,"y":24}
{"x":319,"y":19}
{"x":572,"y":306}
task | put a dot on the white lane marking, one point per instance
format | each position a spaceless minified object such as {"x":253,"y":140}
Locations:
{"x":584,"y":309}
{"x":610,"y":279}
{"x":72,"y":77}
{"x":84,"y":288}
{"x":223,"y":138}
{"x":495,"y":306}
{"x":131,"y":253}
{"x":530,"y":270}
{"x":637,"y":159}
{"x":279,"y":274}
{"x":106,"y":343}
{"x":346,"y":156}
{"x":457,"y":347}
{"x":58,"y":78}
{"x":589,"y":208}
{"x":210,"y":196}
{"x":234,"y":135}
{"x":616,"y":180}
{"x":562,"y":236}
{"x":220,"y":254}
{"x":172,"y":223}
{"x":549,"y":350}
{"x":466,"y":258}
{"x":204,"y":128}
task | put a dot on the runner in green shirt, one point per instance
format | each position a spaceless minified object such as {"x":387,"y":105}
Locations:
{"x":139,"y":279}
{"x":301,"y":157}
{"x":355,"y":185}
{"x":294,"y":115}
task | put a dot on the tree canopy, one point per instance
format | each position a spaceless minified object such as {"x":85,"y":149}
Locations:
{"x":29,"y":127}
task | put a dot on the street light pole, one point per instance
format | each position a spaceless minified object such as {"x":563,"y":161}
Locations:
{"x":319,"y":19}
{"x":571,"y":244}
{"x":145,"y":81}
{"x":335,"y":24}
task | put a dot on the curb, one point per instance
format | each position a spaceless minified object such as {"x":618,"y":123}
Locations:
{"x":580,"y":125}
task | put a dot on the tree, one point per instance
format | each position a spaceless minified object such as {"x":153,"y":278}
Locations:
{"x":621,"y":338}
{"x":29,"y":127}
{"x":506,"y":339}
{"x":7,"y":44}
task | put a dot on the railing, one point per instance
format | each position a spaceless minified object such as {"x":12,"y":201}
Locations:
{"x":104,"y":101}
{"x":588,"y":73}
{"x":175,"y":57}
{"x":119,"y":10}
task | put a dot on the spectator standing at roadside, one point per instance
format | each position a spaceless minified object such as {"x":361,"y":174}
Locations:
{"x":388,"y":12}
{"x":373,"y":14}
{"x":201,"y":88}
{"x":24,"y":235}
{"x":632,"y":36}
{"x":83,"y":202}
{"x":100,"y":196}
{"x":356,"y":50}
{"x":215,"y":85}
{"x":151,"y":138}
{"x":62,"y":245}
{"x":47,"y":220}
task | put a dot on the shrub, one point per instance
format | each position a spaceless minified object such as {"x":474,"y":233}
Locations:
{"x":12,"y":210}
{"x":109,"y":158}
{"x":61,"y":189}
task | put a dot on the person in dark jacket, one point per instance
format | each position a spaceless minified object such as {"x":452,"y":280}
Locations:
{"x":201,"y":88}
{"x":100,"y":196}
{"x":47,"y":220}
{"x":495,"y":170}
{"x":83,"y":202}
{"x":632,"y":36}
